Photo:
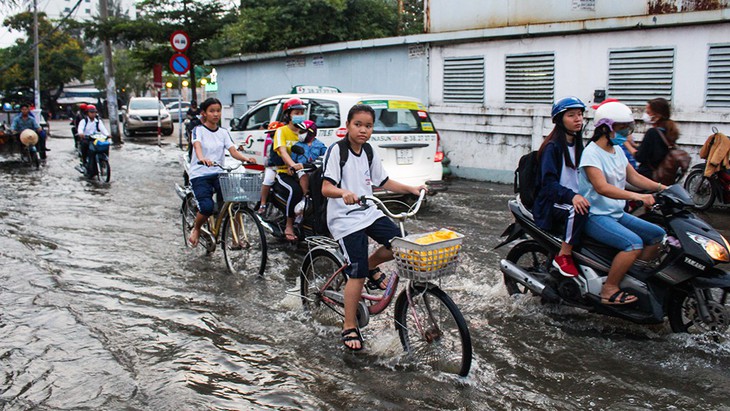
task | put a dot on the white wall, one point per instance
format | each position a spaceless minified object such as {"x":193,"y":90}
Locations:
{"x":506,"y":131}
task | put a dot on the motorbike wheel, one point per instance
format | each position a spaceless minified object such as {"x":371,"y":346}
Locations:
{"x":684,"y":316}
{"x":34,"y":161}
{"x":700,"y":188}
{"x":530,"y":256}
{"x":104,"y":171}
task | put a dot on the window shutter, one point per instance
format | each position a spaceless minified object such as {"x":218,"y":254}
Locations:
{"x":530,"y":78}
{"x":636,"y":76}
{"x":718,"y":76}
{"x":464,"y":80}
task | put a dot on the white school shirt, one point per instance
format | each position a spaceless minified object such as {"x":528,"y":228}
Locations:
{"x":357,"y":177}
{"x":569,"y":176}
{"x":87,"y":128}
{"x":214,"y":143}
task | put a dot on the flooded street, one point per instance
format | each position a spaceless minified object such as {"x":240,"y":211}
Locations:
{"x":102,"y":307}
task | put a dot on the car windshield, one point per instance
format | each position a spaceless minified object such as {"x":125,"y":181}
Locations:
{"x":144,"y":105}
{"x":393,"y":116}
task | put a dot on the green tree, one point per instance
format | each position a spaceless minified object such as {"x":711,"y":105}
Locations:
{"x":61,"y":58}
{"x":269,"y":25}
{"x":129,"y":73}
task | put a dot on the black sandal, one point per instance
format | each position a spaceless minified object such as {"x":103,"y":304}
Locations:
{"x":377,"y":283}
{"x":346,"y":337}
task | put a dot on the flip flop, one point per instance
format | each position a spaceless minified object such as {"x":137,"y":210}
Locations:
{"x":621,"y":301}
{"x":290,"y":236}
{"x":347,"y":337}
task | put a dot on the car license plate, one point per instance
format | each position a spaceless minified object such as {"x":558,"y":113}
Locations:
{"x":404,"y":156}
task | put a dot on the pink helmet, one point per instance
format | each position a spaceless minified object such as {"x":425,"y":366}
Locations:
{"x":310,"y":128}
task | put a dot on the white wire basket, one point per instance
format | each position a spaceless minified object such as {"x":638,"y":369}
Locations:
{"x":240,"y":187}
{"x":425,"y":262}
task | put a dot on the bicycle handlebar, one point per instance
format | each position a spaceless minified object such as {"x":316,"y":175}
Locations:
{"x":400,"y":216}
{"x":224,"y":168}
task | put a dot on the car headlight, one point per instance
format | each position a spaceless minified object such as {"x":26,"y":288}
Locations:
{"x":135,"y":117}
{"x":715,"y":250}
{"x":164,"y":116}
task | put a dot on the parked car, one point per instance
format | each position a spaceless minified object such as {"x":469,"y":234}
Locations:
{"x":403,"y":134}
{"x":178,"y":110}
{"x":141,"y":116}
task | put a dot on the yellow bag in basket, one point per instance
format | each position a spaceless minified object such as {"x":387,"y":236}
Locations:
{"x":434,"y":259}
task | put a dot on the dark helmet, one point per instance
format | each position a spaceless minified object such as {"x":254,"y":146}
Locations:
{"x":310,"y":128}
{"x":294,"y":104}
{"x":565,"y":104}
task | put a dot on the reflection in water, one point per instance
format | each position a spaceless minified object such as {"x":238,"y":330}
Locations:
{"x":102,"y":307}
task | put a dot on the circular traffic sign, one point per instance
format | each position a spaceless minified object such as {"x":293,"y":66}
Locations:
{"x":179,"y":63}
{"x":179,"y":41}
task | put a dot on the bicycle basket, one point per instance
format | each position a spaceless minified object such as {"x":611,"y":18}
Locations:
{"x":240,"y":187}
{"x":437,"y":257}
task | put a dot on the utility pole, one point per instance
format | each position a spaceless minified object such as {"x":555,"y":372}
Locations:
{"x":36,"y":65}
{"x":111,"y":87}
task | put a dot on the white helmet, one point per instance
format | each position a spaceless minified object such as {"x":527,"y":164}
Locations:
{"x":613,"y":112}
{"x":28,"y":137}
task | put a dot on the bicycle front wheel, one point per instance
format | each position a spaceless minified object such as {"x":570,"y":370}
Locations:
{"x":104,"y":170}
{"x":432,"y":329}
{"x":188,"y":211}
{"x":244,"y":242}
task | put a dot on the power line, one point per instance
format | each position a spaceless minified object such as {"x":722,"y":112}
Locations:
{"x":34,"y":45}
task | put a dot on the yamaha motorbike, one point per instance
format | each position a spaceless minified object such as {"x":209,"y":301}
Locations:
{"x":685,"y":283}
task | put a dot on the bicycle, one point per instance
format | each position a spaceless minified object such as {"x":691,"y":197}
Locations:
{"x":429,"y":324}
{"x":235,"y":227}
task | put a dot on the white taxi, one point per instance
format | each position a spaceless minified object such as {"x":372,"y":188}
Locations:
{"x":404,"y":136}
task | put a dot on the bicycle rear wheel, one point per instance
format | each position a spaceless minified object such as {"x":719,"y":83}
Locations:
{"x":432,"y":329}
{"x":104,"y":171}
{"x":317,"y":268}
{"x":250,"y":252}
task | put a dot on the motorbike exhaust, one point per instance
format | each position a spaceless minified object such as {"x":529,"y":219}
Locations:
{"x":528,"y":280}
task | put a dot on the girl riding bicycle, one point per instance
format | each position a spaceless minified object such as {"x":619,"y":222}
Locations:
{"x":210,"y":143}
{"x":344,"y":184}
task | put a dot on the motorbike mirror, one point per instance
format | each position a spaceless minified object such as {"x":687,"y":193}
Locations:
{"x":297,"y":150}
{"x":677,"y":194}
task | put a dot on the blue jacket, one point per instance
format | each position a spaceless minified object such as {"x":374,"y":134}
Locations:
{"x":550,"y":191}
{"x":311,"y":153}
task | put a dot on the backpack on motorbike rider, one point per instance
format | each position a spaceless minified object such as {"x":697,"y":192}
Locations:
{"x":558,"y":204}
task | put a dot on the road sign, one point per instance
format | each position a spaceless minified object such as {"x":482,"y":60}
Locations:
{"x":180,"y":41}
{"x":179,"y":63}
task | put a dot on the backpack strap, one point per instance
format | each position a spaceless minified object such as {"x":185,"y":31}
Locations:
{"x":344,"y":145}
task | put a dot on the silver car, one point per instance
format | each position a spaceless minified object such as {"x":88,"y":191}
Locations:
{"x":141,"y":116}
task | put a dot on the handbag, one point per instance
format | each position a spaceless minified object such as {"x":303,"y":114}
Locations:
{"x":667,"y":172}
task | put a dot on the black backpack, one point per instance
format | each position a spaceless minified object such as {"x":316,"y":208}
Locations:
{"x":527,"y":177}
{"x":319,"y":201}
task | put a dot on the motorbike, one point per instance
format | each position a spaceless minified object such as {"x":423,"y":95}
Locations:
{"x":684,"y":284}
{"x":274,"y":217}
{"x":97,"y":161}
{"x":706,"y":190}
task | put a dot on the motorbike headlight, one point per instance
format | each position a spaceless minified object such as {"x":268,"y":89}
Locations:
{"x":715,"y":250}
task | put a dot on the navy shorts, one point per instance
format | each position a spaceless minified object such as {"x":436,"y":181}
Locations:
{"x":355,"y":245}
{"x":204,"y":188}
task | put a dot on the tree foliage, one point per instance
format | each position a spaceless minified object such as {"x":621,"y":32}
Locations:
{"x":61,"y":57}
{"x":129,"y":74}
{"x":269,"y":25}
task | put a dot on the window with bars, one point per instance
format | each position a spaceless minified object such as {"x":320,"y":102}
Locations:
{"x":718,"y":76}
{"x":529,"y":78}
{"x":636,"y":76}
{"x":464,"y":80}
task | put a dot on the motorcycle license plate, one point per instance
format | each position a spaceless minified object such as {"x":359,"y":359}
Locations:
{"x":404,"y":156}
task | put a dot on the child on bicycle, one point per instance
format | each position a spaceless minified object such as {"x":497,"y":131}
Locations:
{"x":210,"y":143}
{"x":344,"y":184}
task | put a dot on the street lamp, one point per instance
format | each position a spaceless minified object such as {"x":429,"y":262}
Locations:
{"x":203,"y":81}
{"x":168,"y":84}
{"x":185,"y":83}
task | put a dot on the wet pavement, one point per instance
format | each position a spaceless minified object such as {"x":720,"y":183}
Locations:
{"x":102,"y":307}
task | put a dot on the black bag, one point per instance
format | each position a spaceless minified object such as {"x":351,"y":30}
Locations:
{"x":319,"y":201}
{"x":527,"y":177}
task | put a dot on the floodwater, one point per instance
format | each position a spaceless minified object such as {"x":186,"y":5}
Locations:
{"x":103,"y":308}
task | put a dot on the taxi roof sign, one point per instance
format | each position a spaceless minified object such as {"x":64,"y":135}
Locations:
{"x":301,"y":89}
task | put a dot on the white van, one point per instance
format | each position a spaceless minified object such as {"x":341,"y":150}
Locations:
{"x":403,"y":134}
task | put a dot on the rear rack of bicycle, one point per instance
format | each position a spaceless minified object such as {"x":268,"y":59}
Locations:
{"x":322,"y":242}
